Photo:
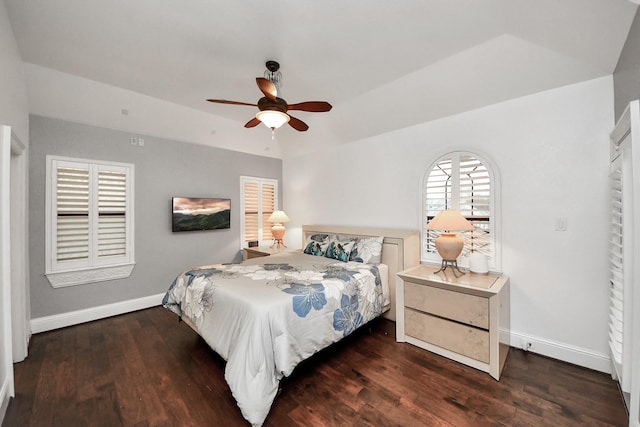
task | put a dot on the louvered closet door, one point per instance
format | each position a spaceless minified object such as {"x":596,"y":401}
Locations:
{"x":622,"y":259}
{"x":616,"y":271}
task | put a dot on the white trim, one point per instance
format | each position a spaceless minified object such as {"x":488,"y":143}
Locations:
{"x":562,"y":351}
{"x":5,"y":397}
{"x":20,"y":307}
{"x":6,"y":359}
{"x":89,"y":275}
{"x":56,"y":321}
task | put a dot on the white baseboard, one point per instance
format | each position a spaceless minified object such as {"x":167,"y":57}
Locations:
{"x":5,"y":396}
{"x":561,"y":351}
{"x":557,"y":350}
{"x":48,"y":323}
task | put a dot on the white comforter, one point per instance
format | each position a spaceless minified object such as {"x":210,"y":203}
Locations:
{"x":266,"y":315}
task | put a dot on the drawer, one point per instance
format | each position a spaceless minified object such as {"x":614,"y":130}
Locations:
{"x":466,"y":340}
{"x":470,"y":309}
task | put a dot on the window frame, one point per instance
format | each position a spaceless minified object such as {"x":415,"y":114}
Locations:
{"x":494,"y":259}
{"x":262,"y":224}
{"x":93,"y":268}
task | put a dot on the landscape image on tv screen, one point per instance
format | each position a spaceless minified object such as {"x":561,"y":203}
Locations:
{"x":197,"y":214}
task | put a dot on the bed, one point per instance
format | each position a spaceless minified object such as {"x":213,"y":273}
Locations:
{"x":265,"y":315}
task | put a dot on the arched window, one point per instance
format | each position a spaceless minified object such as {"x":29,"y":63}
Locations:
{"x":465,"y":182}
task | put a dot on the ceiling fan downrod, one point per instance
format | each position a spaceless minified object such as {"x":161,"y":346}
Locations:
{"x":273,"y":74}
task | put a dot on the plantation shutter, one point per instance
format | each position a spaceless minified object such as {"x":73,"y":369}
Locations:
{"x":89,"y":221}
{"x":251,"y":211}
{"x":268,"y":206}
{"x":616,"y":269}
{"x":72,"y":213}
{"x":462,"y":182}
{"x":112,"y":213}
{"x":474,"y":203}
{"x":259,"y":200}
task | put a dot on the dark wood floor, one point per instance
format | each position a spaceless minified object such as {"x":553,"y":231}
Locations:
{"x":147,"y":369}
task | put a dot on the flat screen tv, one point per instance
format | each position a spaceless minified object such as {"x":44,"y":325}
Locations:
{"x":197,"y":214}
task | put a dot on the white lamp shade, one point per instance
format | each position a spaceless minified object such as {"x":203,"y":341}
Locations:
{"x":278,"y":216}
{"x":449,"y":220}
{"x":272,"y":118}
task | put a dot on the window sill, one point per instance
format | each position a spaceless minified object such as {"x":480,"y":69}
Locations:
{"x":63,"y":279}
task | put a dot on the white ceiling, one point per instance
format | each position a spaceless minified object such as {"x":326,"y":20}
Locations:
{"x":383,"y":65}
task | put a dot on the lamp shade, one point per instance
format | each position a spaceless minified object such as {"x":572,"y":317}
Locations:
{"x":449,"y":220}
{"x":272,"y":118}
{"x":278,"y":216}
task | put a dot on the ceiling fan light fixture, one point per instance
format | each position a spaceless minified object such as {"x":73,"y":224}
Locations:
{"x":272,"y":119}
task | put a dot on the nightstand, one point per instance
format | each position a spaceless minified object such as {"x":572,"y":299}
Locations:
{"x":260,"y":251}
{"x":463,"y":318}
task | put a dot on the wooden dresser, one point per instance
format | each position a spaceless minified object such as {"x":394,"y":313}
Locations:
{"x":465,"y":318}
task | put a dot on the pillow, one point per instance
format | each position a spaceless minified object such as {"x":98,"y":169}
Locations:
{"x":367,"y":250}
{"x":316,"y":248}
{"x":339,"y":250}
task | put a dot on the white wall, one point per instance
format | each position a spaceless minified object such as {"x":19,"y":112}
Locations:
{"x":14,"y":113}
{"x":551,"y":150}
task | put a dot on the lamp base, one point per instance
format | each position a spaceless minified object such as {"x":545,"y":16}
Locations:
{"x":454,"y":267}
{"x":278,"y":244}
{"x":277,"y":231}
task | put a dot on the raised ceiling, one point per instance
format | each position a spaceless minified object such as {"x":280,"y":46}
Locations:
{"x":383,"y":65}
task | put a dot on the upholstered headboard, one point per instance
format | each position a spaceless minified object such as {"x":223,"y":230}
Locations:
{"x":400,"y":249}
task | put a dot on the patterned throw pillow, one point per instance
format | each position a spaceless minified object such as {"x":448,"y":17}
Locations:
{"x":316,"y":248}
{"x":339,"y":250}
{"x":367,"y":250}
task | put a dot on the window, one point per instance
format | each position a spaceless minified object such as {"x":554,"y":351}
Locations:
{"x":89,"y":221}
{"x":259,"y":200}
{"x":464,"y":182}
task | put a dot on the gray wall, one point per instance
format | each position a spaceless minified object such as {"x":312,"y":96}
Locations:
{"x":626,"y":78}
{"x":163,"y":168}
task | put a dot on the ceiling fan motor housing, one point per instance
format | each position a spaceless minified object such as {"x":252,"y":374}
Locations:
{"x":279,"y":104}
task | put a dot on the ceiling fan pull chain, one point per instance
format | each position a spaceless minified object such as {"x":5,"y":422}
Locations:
{"x":273,"y":134}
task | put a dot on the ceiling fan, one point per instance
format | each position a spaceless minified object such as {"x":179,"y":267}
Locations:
{"x":274,"y":110}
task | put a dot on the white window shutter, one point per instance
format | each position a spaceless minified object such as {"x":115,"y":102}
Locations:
{"x":72,"y":218}
{"x":89,"y":225}
{"x":463,"y":182}
{"x":259,"y":201}
{"x":112,"y":208}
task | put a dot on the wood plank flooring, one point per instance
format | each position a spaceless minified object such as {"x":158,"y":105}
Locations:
{"x":147,"y":369}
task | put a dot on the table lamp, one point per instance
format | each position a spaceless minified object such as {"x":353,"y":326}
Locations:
{"x":277,"y":231}
{"x":449,"y":244}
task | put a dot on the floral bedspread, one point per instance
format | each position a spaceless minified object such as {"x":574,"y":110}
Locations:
{"x":266,"y":315}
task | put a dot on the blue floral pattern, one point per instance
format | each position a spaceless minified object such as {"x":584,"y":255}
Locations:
{"x":351,"y":290}
{"x":347,"y":318}
{"x":266,"y":315}
{"x":307,"y":297}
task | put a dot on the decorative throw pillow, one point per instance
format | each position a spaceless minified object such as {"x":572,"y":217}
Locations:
{"x":339,"y":250}
{"x":367,"y":250}
{"x":316,"y":248}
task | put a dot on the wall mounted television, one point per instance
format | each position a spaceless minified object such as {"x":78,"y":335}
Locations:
{"x":198,"y":214}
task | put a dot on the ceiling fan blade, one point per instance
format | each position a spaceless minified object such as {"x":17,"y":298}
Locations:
{"x":268,"y":88}
{"x":252,"y":123}
{"x":313,"y":106}
{"x":297,"y":124}
{"x":224,"y":101}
